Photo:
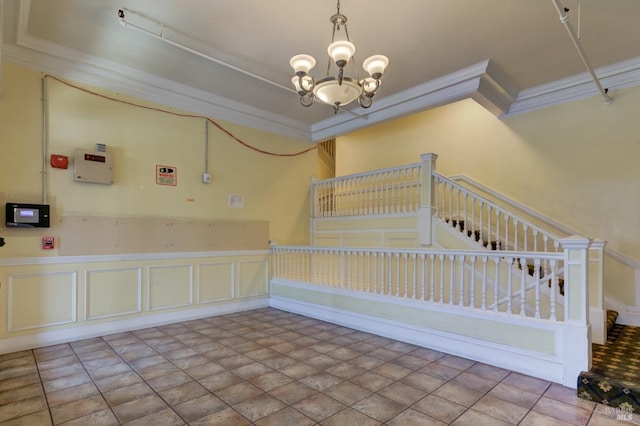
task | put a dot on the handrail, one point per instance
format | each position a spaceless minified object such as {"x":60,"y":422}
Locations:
{"x":475,"y":279}
{"x":474,"y":208}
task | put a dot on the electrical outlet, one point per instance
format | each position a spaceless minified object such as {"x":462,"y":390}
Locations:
{"x":206,"y":178}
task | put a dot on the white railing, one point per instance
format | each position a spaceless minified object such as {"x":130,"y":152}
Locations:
{"x":487,"y":222}
{"x":495,"y":281}
{"x":386,"y":191}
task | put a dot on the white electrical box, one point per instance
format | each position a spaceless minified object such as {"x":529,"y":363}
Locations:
{"x":93,"y":167}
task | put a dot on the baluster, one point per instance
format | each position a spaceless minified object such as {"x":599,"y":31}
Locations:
{"x":461,"y":301}
{"x":481,"y":206}
{"x":368,"y":278}
{"x":370,"y":188}
{"x":536,"y":272}
{"x":441,"y":278}
{"x":438,"y":190}
{"x":406,"y":274}
{"x":472,"y":290}
{"x":484,"y":283}
{"x":406,"y":197}
{"x":552,"y":316}
{"x":414,"y":275}
{"x":497,"y":229}
{"x":525,"y":230}
{"x":465,"y":197}
{"x":382,"y":273}
{"x":432,"y":257}
{"x":535,"y":239}
{"x":398,"y":264}
{"x":375,"y":271}
{"x":488,"y":226}
{"x":390,"y":277}
{"x":451,"y":205}
{"x":422,"y":275}
{"x":506,"y":232}
{"x":473,"y":218}
{"x":516,"y":222}
{"x":509,"y":284}
{"x":452,"y":273}
{"x":496,"y":293}
{"x":523,"y":286}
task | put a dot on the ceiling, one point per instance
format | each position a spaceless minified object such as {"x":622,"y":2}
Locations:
{"x":511,"y":56}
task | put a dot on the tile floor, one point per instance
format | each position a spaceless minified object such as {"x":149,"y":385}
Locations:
{"x":269,"y":367}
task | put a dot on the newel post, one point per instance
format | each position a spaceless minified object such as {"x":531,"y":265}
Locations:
{"x":597,"y":313}
{"x":576,"y":333}
{"x":427,"y":199}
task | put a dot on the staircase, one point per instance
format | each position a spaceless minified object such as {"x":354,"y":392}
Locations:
{"x":614,"y":378}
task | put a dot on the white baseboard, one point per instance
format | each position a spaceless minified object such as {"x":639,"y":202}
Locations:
{"x":80,"y":332}
{"x":526,"y":362}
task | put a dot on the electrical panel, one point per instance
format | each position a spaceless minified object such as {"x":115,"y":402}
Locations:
{"x":93,"y":167}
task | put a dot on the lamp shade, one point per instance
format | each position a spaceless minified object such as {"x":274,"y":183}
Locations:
{"x":375,"y":65}
{"x":341,"y":50}
{"x":331,"y":92}
{"x":302,"y":63}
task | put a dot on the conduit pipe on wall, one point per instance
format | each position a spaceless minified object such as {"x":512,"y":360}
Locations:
{"x":44,"y":140}
{"x":161,"y":36}
{"x":564,"y":18}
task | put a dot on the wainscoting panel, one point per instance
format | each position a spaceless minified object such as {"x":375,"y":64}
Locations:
{"x":170,"y":286}
{"x":113,"y":292}
{"x":41,"y":300}
{"x":253,"y":278}
{"x":215,"y":282}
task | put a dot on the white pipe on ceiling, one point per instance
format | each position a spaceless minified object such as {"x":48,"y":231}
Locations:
{"x":564,"y":18}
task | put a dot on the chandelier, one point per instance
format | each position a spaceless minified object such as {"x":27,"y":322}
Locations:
{"x":338,"y":90}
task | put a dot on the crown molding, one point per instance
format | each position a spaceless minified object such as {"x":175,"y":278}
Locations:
{"x":617,"y":76}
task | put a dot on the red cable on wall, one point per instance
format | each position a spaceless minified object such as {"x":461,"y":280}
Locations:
{"x":227,"y":132}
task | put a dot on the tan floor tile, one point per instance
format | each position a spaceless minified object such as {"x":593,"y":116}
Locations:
{"x":298,"y":370}
{"x":18,"y":394}
{"x":101,"y":372}
{"x":411,"y":362}
{"x":220,"y":381}
{"x":169,"y":381}
{"x":534,"y":418}
{"x":503,"y":410}
{"x":413,"y":418}
{"x":226,"y":417}
{"x":402,"y":393}
{"x":440,"y":371}
{"x":270,"y":380}
{"x":139,"y":408}
{"x":348,"y":393}
{"x":66,"y":382}
{"x":25,"y":360}
{"x":292,"y":392}
{"x":372,"y":381}
{"x":379,"y":407}
{"x":128,"y":393}
{"x":74,"y":393}
{"x":142,"y":352}
{"x":19,"y":381}
{"x":19,"y":354}
{"x":158,"y":370}
{"x":56,"y":373}
{"x":199,"y":407}
{"x":165,"y":417}
{"x":476,"y":418}
{"x":455,"y":362}
{"x":249,"y":371}
{"x":238,"y":392}
{"x":205,"y":370}
{"x":514,"y":395}
{"x":318,"y":407}
{"x":423,"y":381}
{"x":568,"y":396}
{"x":439,"y":408}
{"x":190,"y":361}
{"x":345,"y":370}
{"x":488,"y":371}
{"x":349,"y":416}
{"x":234,"y":361}
{"x":22,"y":370}
{"x":259,"y":406}
{"x":321,"y":381}
{"x":22,"y":407}
{"x":279,"y":362}
{"x":79,"y":408}
{"x":528,"y":383}
{"x":183,"y":393}
{"x":52,"y":352}
{"x":99,"y":418}
{"x":457,"y":394}
{"x":40,"y":418}
{"x":365,"y":361}
{"x":286,"y":417}
{"x":615,"y":412}
{"x":392,"y":371}
{"x":110,"y":383}
{"x":560,"y":410}
{"x":471,"y":381}
{"x":59,"y":362}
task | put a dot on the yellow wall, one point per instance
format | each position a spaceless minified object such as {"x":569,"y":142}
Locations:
{"x":576,"y":163}
{"x":275,"y":189}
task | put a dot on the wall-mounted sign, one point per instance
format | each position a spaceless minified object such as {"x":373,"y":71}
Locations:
{"x":166,"y":175}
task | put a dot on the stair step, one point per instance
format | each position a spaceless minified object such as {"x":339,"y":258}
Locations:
{"x":622,"y":394}
{"x":612,"y":316}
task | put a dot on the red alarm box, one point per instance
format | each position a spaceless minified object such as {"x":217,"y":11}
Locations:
{"x":48,"y":243}
{"x":59,"y":161}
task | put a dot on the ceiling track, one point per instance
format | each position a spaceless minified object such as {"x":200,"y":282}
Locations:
{"x":564,"y":18}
